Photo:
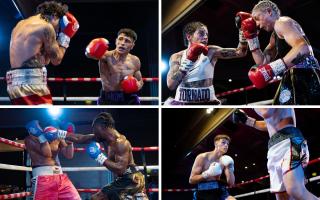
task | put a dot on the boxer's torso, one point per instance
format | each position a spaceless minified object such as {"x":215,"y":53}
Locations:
{"x":115,"y":152}
{"x":209,"y":158}
{"x":281,"y":118}
{"x":113,"y":70}
{"x":26,"y":45}
{"x":38,"y":159}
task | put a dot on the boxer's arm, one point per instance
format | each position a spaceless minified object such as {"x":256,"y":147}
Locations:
{"x":229,"y":176}
{"x":293,"y":36}
{"x":54,"y":51}
{"x":174,"y":76}
{"x":269,"y":53}
{"x":79,"y":138}
{"x":122,"y":157}
{"x":195,"y":176}
{"x":137,"y":74}
{"x":43,"y":149}
{"x":228,"y":53}
{"x":67,"y":149}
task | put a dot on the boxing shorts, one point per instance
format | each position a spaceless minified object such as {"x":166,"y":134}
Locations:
{"x":28,"y":86}
{"x":211,"y":190}
{"x":300,"y":85}
{"x":118,"y":98}
{"x":287,"y":151}
{"x":49,"y":182}
{"x":194,"y":96}
{"x":130,"y":184}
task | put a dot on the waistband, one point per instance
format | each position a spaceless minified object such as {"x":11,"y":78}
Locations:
{"x":201,"y":94}
{"x":307,"y":62}
{"x":283,"y":134}
{"x":46,"y":170}
{"x":209,"y":185}
{"x":130,"y":170}
{"x":30,"y":76}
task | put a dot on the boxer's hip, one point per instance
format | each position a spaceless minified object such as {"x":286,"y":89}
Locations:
{"x":190,"y":95}
{"x":118,"y":98}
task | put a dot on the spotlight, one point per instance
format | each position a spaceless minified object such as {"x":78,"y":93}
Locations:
{"x":54,"y":112}
{"x":163,"y":66}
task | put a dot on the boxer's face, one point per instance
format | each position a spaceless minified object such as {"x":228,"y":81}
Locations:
{"x":124,"y":44}
{"x":99,"y":132}
{"x":222,"y":145}
{"x":199,"y":36}
{"x":264,"y":19}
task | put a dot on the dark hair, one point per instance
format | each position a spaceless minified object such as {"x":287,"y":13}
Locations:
{"x":128,"y":32}
{"x":105,"y":119}
{"x":222,"y":136}
{"x":51,"y":8}
{"x":189,"y":29}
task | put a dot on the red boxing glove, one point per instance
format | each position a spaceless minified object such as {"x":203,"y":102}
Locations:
{"x":97,"y":48}
{"x":195,"y":50}
{"x":240,"y":17}
{"x":69,"y":26}
{"x":261,"y":75}
{"x":250,"y":32}
{"x":129,"y":84}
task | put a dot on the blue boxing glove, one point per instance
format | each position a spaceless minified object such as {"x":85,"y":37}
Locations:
{"x":52,"y":133}
{"x":93,"y":150}
{"x":34,"y":129}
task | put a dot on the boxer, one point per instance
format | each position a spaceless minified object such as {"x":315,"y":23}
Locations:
{"x":49,"y":182}
{"x":288,"y":152}
{"x":119,"y":70}
{"x":300,"y":84}
{"x":191,"y":70}
{"x":35,"y":42}
{"x":207,"y":169}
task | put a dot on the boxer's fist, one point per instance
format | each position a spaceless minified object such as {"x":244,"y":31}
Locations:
{"x":69,"y":26}
{"x":68,"y":126}
{"x":261,"y":75}
{"x":241,"y":16}
{"x":214,"y":169}
{"x":93,"y":150}
{"x":249,"y":28}
{"x":239,"y":116}
{"x":97,"y":48}
{"x":195,"y":50}
{"x":227,"y":162}
{"x":129,"y":84}
{"x":51,"y":133}
{"x":33,"y":128}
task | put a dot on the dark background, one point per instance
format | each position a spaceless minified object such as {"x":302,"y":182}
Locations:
{"x":219,"y":17}
{"x":247,"y":146}
{"x":97,"y":18}
{"x":140,"y":126}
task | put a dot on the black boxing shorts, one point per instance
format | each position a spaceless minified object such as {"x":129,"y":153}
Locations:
{"x":300,"y":85}
{"x":211,"y":190}
{"x":118,"y":98}
{"x":129,"y":184}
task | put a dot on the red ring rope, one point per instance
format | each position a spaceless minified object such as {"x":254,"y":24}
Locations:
{"x":22,"y":146}
{"x":83,"y":79}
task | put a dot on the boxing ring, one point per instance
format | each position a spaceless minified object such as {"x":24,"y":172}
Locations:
{"x":144,"y":168}
{"x":65,"y":98}
{"x":245,"y":183}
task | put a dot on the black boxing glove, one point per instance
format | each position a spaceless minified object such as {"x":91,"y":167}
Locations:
{"x":239,"y":116}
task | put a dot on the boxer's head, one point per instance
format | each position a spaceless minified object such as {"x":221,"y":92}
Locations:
{"x":195,"y":32}
{"x":125,"y":40}
{"x":52,"y":11}
{"x":101,"y":124}
{"x":221,"y":143}
{"x":265,"y":13}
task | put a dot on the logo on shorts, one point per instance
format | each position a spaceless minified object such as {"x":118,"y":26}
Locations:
{"x":285,"y":96}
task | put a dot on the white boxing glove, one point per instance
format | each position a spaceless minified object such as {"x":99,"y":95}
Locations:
{"x":227,"y":162}
{"x":214,"y":169}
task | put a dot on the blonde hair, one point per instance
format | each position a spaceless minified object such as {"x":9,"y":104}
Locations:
{"x":264,"y":5}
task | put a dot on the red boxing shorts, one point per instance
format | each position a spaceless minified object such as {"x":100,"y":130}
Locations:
{"x":52,"y":186}
{"x":28,"y":86}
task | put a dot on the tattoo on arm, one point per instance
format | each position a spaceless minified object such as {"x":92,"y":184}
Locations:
{"x":49,"y":40}
{"x":226,"y":53}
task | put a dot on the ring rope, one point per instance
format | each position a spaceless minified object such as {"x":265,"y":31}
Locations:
{"x":311,"y":162}
{"x":84,"y":79}
{"x":69,"y":169}
{"x":22,"y":146}
{"x":85,"y":98}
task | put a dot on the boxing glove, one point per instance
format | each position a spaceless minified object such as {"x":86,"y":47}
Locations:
{"x":97,"y":48}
